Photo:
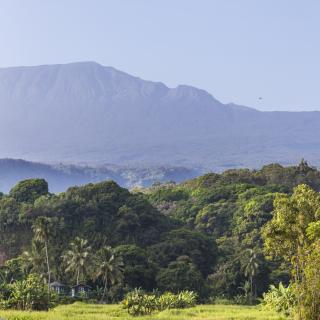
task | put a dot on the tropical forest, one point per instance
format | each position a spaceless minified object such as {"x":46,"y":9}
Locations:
{"x":242,"y":238}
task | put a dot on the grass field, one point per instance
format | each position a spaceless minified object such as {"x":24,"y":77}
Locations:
{"x":81,"y":311}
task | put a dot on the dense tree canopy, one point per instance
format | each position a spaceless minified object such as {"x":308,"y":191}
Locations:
{"x":194,"y":235}
{"x":29,"y":190}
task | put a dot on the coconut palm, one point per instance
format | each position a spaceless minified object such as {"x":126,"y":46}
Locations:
{"x":109,"y":268}
{"x":43,"y":229}
{"x":34,"y":261}
{"x":77,"y":258}
{"x":251,"y":268}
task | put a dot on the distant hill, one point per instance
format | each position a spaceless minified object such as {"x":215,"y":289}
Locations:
{"x":60,"y":177}
{"x":88,"y":113}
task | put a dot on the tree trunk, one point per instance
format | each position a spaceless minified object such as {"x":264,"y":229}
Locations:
{"x":78,"y":276}
{"x":251,"y":289}
{"x":105,"y":290}
{"x":48,"y":267}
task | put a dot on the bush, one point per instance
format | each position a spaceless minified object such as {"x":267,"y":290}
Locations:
{"x":184,"y":299}
{"x":29,"y":294}
{"x":139,"y":303}
{"x":281,"y":299}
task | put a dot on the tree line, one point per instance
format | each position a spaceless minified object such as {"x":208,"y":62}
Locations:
{"x":206,"y":235}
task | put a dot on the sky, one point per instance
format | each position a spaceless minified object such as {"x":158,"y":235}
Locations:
{"x":259,"y":53}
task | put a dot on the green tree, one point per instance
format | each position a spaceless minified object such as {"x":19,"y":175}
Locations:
{"x":29,"y":190}
{"x":180,"y":275}
{"x":109,"y":268}
{"x":200,"y":248}
{"x":251,"y":270}
{"x":292,"y":235}
{"x":12,"y":271}
{"x":29,"y":294}
{"x":34,"y":261}
{"x":77,"y":258}
{"x":139,"y":271}
{"x":43,"y":229}
{"x":9,"y":212}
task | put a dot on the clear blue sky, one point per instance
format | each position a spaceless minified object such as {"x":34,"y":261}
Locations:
{"x":237,"y":50}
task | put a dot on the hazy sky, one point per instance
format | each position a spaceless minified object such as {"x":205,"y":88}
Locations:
{"x":237,"y":50}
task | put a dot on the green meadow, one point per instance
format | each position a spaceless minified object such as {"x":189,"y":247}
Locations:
{"x":81,"y":311}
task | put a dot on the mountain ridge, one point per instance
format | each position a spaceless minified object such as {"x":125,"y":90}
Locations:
{"x":61,"y":176}
{"x":85,"y":112}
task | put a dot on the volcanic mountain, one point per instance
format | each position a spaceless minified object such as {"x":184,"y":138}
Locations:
{"x":87,"y":113}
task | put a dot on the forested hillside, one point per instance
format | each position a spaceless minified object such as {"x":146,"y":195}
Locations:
{"x":200,"y":235}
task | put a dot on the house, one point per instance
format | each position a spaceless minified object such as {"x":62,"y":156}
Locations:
{"x":80,"y":290}
{"x":59,"y":288}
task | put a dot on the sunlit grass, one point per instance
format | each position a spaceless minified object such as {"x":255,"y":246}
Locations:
{"x":81,"y":311}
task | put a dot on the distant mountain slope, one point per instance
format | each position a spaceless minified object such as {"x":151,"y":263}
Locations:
{"x":60,"y":177}
{"x":87,"y":113}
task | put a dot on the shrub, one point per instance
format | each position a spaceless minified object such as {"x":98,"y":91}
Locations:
{"x":281,"y":299}
{"x":139,"y":303}
{"x":184,"y":299}
{"x":28,"y":294}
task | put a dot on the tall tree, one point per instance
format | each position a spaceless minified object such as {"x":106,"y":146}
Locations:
{"x":181,"y":274}
{"x":77,"y":258}
{"x":43,"y":229}
{"x":109,"y":268}
{"x":251,"y":270}
{"x":34,"y":261}
{"x":293,"y":235}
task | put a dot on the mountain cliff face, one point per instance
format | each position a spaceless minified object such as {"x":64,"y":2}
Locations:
{"x":88,"y":113}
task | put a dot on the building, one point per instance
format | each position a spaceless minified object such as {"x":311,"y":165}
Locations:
{"x":80,"y":290}
{"x":59,"y":288}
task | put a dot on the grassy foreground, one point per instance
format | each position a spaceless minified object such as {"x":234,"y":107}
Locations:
{"x":81,"y":311}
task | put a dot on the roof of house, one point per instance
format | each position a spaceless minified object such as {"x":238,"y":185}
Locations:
{"x":57,"y":284}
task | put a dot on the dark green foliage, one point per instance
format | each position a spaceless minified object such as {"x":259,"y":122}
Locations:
{"x":103,"y":214}
{"x":12,"y":270}
{"x":29,"y":190}
{"x":109,"y":269}
{"x":215,"y":218}
{"x":77,"y":259}
{"x":195,"y":235}
{"x":139,"y":271}
{"x":200,"y":248}
{"x":28,"y":294}
{"x":232,"y":207}
{"x":9,"y":212}
{"x":164,"y":193}
{"x":181,"y":274}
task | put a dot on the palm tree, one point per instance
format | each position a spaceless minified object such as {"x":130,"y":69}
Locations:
{"x":109,"y":268}
{"x":34,"y":261}
{"x":43,"y":230}
{"x":77,"y":258}
{"x":251,"y":269}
